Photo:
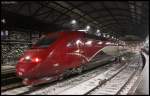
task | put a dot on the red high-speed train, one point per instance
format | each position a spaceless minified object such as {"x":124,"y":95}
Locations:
{"x":59,"y":54}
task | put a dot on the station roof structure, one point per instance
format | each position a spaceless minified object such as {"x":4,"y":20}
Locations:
{"x":123,"y":19}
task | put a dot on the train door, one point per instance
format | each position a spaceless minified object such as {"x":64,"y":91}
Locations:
{"x":75,"y":53}
{"x":80,"y":50}
{"x":90,"y":46}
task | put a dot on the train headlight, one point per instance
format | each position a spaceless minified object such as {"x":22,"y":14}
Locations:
{"x":27,"y":58}
{"x":36,"y":60}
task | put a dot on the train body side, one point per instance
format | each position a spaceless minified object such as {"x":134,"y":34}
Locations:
{"x":70,"y":50}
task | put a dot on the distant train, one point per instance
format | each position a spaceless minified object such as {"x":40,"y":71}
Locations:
{"x":60,"y":54}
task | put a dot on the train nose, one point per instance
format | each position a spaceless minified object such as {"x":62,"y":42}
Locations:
{"x":23,"y":69}
{"x":21,"y":72}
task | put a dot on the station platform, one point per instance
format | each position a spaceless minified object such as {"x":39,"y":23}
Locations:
{"x":143,"y":87}
{"x":7,"y":69}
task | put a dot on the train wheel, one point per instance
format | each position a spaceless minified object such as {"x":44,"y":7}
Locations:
{"x":66,"y":73}
{"x":80,"y":69}
{"x":73,"y":71}
{"x":61,"y":76}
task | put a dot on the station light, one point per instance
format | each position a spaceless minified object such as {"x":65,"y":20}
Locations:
{"x":73,"y":21}
{"x":87,"y":27}
{"x":2,"y":33}
{"x":3,"y":21}
{"x":98,"y":31}
{"x":98,"y":34}
{"x":104,"y":35}
{"x":108,"y":36}
{"x":6,"y":32}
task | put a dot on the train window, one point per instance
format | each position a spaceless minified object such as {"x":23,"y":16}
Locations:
{"x":77,"y":42}
{"x":89,"y":42}
{"x":45,"y":42}
{"x":70,"y":44}
{"x":101,"y":53}
{"x":90,"y":36}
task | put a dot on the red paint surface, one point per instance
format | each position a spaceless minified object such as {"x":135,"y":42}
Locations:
{"x":58,"y":53}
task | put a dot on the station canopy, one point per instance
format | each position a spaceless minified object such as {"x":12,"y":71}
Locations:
{"x":121,"y":19}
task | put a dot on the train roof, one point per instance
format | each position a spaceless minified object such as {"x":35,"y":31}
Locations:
{"x":60,"y":33}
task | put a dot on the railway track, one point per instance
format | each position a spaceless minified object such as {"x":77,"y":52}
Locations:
{"x":103,"y":76}
{"x":116,"y":84}
{"x":7,"y":69}
{"x":89,"y":85}
{"x":111,"y":83}
{"x":67,"y":84}
{"x":9,"y":79}
{"x":59,"y":86}
{"x":11,"y":86}
{"x":133,"y":82}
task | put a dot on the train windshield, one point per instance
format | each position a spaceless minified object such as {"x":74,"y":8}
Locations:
{"x":45,"y":42}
